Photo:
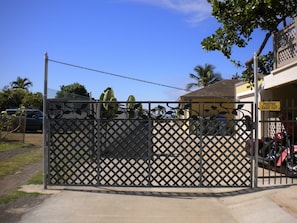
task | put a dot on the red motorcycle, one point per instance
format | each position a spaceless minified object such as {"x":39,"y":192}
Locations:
{"x":279,"y":152}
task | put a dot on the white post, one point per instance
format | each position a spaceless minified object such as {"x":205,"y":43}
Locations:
{"x":256,"y":119}
{"x":45,"y":121}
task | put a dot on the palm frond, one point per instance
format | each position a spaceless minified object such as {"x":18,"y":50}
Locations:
{"x":190,"y":85}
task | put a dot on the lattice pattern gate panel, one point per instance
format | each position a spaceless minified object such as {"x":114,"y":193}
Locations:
{"x":225,"y":161}
{"x":124,"y":160}
{"x":161,"y":146}
{"x":71,"y":153}
{"x":175,"y":157}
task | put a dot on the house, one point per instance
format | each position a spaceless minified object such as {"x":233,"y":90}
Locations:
{"x":203,"y":100}
{"x":280,"y":85}
{"x":214,"y":103}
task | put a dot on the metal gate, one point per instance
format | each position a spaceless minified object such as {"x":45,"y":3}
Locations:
{"x":277,"y":153}
{"x":148,"y":144}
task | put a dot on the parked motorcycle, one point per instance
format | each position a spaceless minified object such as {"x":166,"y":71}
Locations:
{"x":279,"y":151}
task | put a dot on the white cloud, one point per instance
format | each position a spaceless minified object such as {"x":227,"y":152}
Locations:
{"x":195,"y":10}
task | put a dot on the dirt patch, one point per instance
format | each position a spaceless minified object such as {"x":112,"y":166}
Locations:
{"x":9,"y":154}
{"x":34,"y":138}
{"x":12,"y":211}
{"x":11,"y":182}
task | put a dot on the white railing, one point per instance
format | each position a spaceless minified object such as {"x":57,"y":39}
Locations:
{"x":285,"y":45}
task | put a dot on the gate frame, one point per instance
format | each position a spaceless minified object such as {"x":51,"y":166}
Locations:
{"x":45,"y":133}
{"x":241,"y":130}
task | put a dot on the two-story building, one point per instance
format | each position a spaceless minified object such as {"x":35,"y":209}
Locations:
{"x":279,"y":86}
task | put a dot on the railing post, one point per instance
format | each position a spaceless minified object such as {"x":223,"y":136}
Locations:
{"x":275,"y":50}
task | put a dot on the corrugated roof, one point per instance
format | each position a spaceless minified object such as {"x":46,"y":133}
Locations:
{"x":221,"y":89}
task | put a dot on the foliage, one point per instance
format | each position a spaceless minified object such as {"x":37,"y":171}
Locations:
{"x":109,"y":107}
{"x":134,"y":108}
{"x":37,"y":178}
{"x":265,"y":66}
{"x":6,"y":124}
{"x":17,"y":95}
{"x":239,"y":19}
{"x":33,"y":100}
{"x":11,"y":123}
{"x":10,"y":146}
{"x":204,"y":77}
{"x":22,"y":83}
{"x":18,"y":162}
{"x":12,"y":98}
{"x":73,"y":91}
{"x":16,"y":195}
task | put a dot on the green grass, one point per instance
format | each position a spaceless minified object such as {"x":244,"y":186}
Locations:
{"x":37,"y":178}
{"x":8,"y":146}
{"x":16,"y":195}
{"x":18,"y":162}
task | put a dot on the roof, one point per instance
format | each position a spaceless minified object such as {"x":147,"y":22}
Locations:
{"x":220,"y":89}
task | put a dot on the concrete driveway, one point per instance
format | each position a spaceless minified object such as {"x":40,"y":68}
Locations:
{"x":212,"y":205}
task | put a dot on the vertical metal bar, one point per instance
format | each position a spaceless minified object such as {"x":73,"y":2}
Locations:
{"x":251,"y":136}
{"x":150,"y":145}
{"x":290,"y":109}
{"x":201,"y":130}
{"x":44,"y":129}
{"x":293,"y":124}
{"x":98,"y":155}
{"x":262,"y":156}
{"x":256,"y":119}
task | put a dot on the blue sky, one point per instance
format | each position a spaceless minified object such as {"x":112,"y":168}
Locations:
{"x":153,"y":40}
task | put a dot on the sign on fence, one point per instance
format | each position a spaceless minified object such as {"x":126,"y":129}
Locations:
{"x":269,"y":105}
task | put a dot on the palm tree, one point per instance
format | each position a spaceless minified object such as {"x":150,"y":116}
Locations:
{"x":205,"y":76}
{"x":22,"y":83}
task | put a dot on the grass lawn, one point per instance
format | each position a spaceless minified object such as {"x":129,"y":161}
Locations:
{"x":8,"y":146}
{"x":16,"y":195}
{"x":18,"y":162}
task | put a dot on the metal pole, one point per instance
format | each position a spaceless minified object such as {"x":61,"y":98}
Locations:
{"x":150,"y":145}
{"x":45,"y":121}
{"x":256,"y":119}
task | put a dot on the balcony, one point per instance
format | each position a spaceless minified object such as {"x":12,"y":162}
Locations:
{"x":285,"y":45}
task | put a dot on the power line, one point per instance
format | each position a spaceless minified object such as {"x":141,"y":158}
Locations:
{"x":116,"y":75}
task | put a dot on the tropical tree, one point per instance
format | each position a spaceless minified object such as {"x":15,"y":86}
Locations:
{"x":73,"y":91}
{"x":12,"y":98}
{"x":33,"y":100}
{"x":239,"y":19}
{"x":204,"y":77}
{"x":22,"y":83}
{"x":18,"y":95}
{"x":134,"y":109}
{"x":109,"y":107}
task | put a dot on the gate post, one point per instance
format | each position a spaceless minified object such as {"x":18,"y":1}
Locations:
{"x":44,"y":124}
{"x":256,"y":120}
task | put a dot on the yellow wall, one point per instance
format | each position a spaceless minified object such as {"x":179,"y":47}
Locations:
{"x":245,"y":87}
{"x":212,"y":107}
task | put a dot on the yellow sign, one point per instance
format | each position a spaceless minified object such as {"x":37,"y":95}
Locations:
{"x":269,"y":105}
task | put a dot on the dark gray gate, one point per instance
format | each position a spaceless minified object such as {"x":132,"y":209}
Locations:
{"x":148,"y":144}
{"x":278,"y":143}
